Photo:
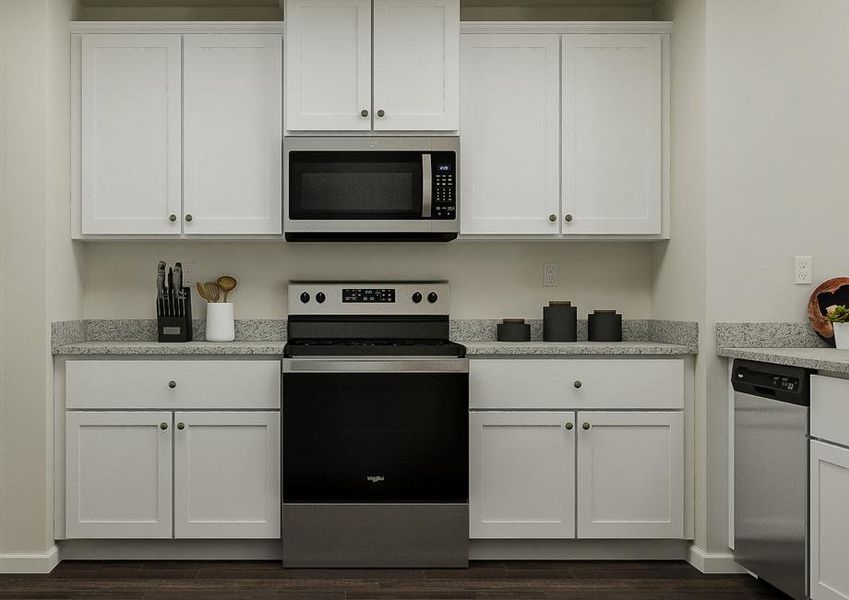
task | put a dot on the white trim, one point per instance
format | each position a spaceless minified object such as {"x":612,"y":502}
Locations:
{"x":171,"y":550}
{"x":572,"y":549}
{"x":713,"y":562}
{"x":36,"y":562}
{"x":566,"y":27}
{"x":177,"y":27}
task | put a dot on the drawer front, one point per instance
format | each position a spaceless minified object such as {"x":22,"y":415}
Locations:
{"x":576,"y":383}
{"x":830,"y":409}
{"x":167,"y":384}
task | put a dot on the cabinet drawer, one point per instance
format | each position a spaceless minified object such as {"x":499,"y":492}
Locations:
{"x":830,"y":409}
{"x":172,"y":384}
{"x":576,"y":383}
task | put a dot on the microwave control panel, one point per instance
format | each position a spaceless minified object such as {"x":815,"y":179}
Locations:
{"x":444,"y":185}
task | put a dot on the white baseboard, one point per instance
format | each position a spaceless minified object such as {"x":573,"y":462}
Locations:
{"x":36,"y":562}
{"x":171,"y":550}
{"x":578,"y":549}
{"x":713,"y":562}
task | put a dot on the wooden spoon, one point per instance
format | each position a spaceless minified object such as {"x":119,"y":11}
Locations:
{"x":213,"y":291}
{"x":202,"y":291}
{"x":227,"y":285}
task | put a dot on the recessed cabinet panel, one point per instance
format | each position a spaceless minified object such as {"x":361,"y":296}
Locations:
{"x":630,"y":474}
{"x":328,"y":65}
{"x":829,"y":522}
{"x":130,"y":134}
{"x":232,"y":134}
{"x":522,"y":475}
{"x":511,"y":134}
{"x":612,"y":136}
{"x":416,"y":65}
{"x":118,"y":474}
{"x":227,"y":475}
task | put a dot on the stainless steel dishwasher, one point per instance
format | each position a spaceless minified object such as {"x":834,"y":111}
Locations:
{"x":771,"y":405}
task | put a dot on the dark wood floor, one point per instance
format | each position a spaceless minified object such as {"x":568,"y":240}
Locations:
{"x":483,"y":580}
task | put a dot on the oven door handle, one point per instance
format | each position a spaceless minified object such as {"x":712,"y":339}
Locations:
{"x":427,"y":186}
{"x":402,"y":365}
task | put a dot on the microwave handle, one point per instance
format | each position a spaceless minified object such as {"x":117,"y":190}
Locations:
{"x":427,"y":186}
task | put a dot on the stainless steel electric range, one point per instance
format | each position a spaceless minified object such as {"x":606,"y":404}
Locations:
{"x":375,"y":428}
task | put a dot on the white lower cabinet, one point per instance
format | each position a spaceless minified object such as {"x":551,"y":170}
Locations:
{"x":226,"y":475}
{"x":522,"y":475}
{"x":630,"y":475}
{"x":118,"y":478}
{"x":829,"y":522}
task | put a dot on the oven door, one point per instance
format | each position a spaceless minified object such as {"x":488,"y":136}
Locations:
{"x":375,"y":431}
{"x":381,"y":188}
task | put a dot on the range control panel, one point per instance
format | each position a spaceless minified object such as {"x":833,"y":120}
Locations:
{"x":355,"y":298}
{"x":444,"y":185}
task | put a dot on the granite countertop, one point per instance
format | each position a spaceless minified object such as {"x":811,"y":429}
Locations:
{"x":821,"y":359}
{"x":106,"y":348}
{"x":575,"y":348}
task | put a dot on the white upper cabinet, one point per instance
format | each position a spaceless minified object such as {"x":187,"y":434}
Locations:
{"x":130,"y":134}
{"x":232,"y":94}
{"x":331,"y":53}
{"x":328,"y":65}
{"x":416,"y":65}
{"x":630,"y":475}
{"x":510,"y":139}
{"x":612,"y":134}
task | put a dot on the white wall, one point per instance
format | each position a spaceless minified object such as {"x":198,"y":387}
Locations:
{"x":488,"y":280}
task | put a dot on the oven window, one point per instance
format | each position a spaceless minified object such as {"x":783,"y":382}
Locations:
{"x":355,"y":185}
{"x":375,"y":437}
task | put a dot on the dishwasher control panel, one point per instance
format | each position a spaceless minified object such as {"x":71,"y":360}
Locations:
{"x":762,"y":379}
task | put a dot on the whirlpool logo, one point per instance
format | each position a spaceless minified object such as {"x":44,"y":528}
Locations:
{"x":375,"y":478}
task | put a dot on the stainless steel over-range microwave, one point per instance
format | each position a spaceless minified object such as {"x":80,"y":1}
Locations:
{"x":376,"y":188}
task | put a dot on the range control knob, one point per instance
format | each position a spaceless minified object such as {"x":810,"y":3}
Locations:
{"x":432,"y":297}
{"x":417,"y":297}
{"x":305,"y":297}
{"x":320,"y":297}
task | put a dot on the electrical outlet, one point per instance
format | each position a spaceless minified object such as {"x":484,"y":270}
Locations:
{"x":804,"y":272}
{"x":549,"y":274}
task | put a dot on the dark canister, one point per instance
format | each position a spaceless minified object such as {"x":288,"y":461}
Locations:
{"x":604,"y":326}
{"x":560,"y":322}
{"x":514,"y":330}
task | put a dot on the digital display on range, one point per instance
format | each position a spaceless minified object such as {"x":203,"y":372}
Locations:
{"x":367,"y":295}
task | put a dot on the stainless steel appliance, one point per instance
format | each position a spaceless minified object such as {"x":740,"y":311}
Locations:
{"x":771,"y":405}
{"x":373,"y":188}
{"x":375,"y":428}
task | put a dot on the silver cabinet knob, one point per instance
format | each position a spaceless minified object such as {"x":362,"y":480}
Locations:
{"x":552,"y":218}
{"x":188,"y":217}
{"x":163,"y":426}
{"x":569,"y":426}
{"x":172,"y":217}
{"x":577,"y":384}
{"x":364,"y":113}
{"x":172,"y":384}
{"x":568,"y":218}
{"x":181,"y":426}
{"x":586,"y":426}
{"x":381,"y":113}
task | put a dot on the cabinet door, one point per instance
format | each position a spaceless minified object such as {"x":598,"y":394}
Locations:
{"x":118,"y":474}
{"x":130,"y":134}
{"x":630,"y":474}
{"x":233,"y":112}
{"x":829,"y":522}
{"x":612,"y":91}
{"x":416,"y":65}
{"x":227,"y":475}
{"x":328,"y":65}
{"x":522,"y":475}
{"x":511,"y":134}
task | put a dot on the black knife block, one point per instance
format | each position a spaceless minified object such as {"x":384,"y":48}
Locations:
{"x":174,"y":316}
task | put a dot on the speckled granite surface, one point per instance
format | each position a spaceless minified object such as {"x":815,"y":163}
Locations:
{"x":267,"y":336}
{"x":491,"y":348}
{"x":820,"y":359}
{"x":767,"y":335}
